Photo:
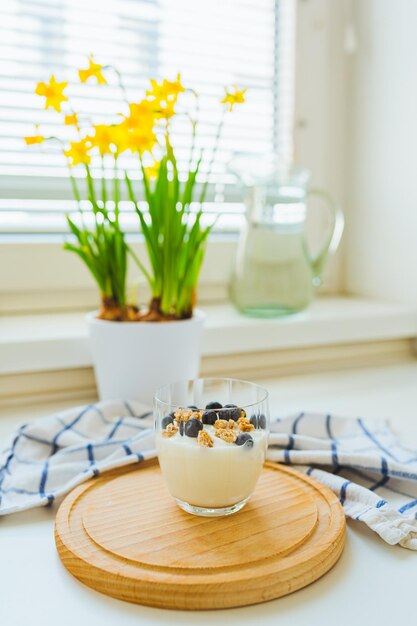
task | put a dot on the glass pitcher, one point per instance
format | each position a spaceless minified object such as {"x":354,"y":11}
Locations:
{"x":274,"y":273}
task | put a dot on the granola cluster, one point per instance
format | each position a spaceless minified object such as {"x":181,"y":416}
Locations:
{"x":170,"y":430}
{"x":225,"y":425}
{"x":183,"y":415}
{"x":227,"y":435}
{"x":204,"y":439}
{"x":229,"y":423}
{"x":244,"y":425}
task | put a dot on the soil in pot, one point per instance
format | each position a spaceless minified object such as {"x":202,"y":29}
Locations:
{"x":112,"y":311}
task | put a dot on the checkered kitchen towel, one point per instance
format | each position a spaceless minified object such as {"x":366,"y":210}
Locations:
{"x":373,"y":475}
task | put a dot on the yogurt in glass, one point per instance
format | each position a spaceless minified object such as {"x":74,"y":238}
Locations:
{"x":210,"y":458}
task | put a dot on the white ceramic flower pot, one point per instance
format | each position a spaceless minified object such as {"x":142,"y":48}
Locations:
{"x":133,"y":359}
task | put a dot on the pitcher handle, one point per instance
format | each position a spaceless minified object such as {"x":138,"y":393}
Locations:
{"x":333,"y":238}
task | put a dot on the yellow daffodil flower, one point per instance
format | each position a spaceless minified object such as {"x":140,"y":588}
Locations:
{"x":103,"y":138}
{"x":78,"y":152}
{"x":165,"y":109}
{"x":118,"y":137}
{"x":71,"y":119}
{"x":53,"y":93}
{"x":167,"y":91}
{"x":156,"y":92}
{"x":30,"y":141}
{"x":233,"y":97}
{"x":152,"y":171}
{"x":139,"y":140}
{"x":173,"y":88}
{"x":94,"y":70}
{"x":142,"y":142}
{"x":141,"y":114}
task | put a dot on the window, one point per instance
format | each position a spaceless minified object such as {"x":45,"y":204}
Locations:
{"x":212,"y":44}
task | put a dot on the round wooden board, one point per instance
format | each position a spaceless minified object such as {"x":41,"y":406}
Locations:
{"x":122,"y":534}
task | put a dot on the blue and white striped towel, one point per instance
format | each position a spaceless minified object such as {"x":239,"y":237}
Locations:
{"x":374,"y":476}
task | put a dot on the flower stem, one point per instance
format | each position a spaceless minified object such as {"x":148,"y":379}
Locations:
{"x":213,"y":156}
{"x":120,"y":80}
{"x":116,"y":190}
{"x":103,"y":184}
{"x":194,"y":127}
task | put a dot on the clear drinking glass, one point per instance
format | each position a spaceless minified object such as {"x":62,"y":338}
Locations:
{"x":211,"y":439}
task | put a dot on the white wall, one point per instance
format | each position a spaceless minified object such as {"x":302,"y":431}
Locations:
{"x":381,"y":239}
{"x":320,"y":115}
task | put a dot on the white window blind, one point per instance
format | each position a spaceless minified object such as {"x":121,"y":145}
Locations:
{"x":222,"y":42}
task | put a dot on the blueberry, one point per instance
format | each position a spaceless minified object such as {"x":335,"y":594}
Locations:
{"x":182,"y":428}
{"x":193,"y":427}
{"x":167,"y":420}
{"x":244,"y":439}
{"x":213,"y":405}
{"x":259,"y":421}
{"x":233,"y":413}
{"x":209,"y":417}
{"x":193,"y":407}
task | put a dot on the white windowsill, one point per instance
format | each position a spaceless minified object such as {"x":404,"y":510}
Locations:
{"x":60,"y":341}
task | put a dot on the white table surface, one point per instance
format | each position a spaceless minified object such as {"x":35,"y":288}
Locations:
{"x":372,"y":583}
